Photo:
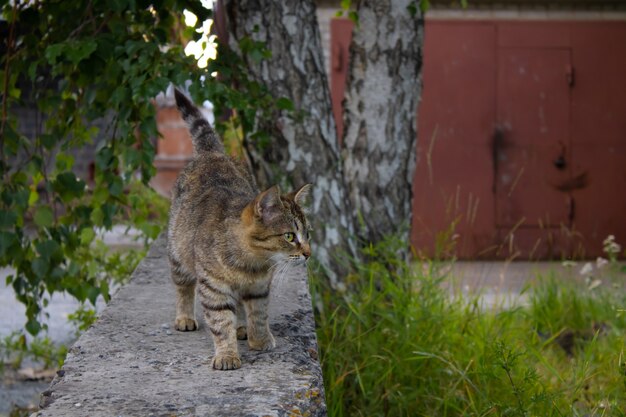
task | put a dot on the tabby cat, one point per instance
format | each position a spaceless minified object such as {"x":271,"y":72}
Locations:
{"x":226,"y":238}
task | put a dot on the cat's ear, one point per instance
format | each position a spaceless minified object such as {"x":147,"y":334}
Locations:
{"x":267,"y":205}
{"x":302,"y":195}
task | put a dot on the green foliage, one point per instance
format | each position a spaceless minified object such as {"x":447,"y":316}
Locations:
{"x":400,"y":343}
{"x":254,"y":108}
{"x":79,"y":62}
{"x":346,"y":7}
{"x":82,"y":318}
{"x":14,"y":350}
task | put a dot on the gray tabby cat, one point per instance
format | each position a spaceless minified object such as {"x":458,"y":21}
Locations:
{"x":225,"y":238}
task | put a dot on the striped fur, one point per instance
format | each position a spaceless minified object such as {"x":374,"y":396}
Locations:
{"x":202,"y":134}
{"x":226,"y":241}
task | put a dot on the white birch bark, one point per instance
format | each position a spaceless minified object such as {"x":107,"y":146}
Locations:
{"x":380,"y":109}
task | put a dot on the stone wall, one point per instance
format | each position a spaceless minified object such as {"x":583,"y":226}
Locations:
{"x":133,"y":363}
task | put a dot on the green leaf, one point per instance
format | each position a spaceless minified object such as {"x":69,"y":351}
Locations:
{"x":104,"y":290}
{"x":97,"y":216}
{"x":74,"y":50}
{"x":49,"y":249}
{"x":80,"y":50}
{"x":44,"y":217}
{"x":256,"y":55}
{"x":104,"y":158}
{"x":116,"y":187}
{"x":53,"y":52}
{"x":48,"y":141}
{"x":64,"y":161}
{"x":117,"y":6}
{"x":100,"y":195}
{"x":7,"y":219}
{"x":108,"y":211}
{"x":20,"y":178}
{"x":6,"y":241}
{"x":32,"y":70}
{"x":68,"y":186}
{"x":33,"y":197}
{"x":33,"y":326}
{"x":21,"y":198}
{"x":92,"y":295}
{"x":354,"y":16}
{"x":86,"y":236}
{"x":284,"y":103}
{"x":40,"y":267}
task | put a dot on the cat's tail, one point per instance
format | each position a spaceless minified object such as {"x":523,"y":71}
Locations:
{"x":203,"y":136}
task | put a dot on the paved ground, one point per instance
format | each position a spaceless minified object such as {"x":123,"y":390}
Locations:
{"x":131,"y":362}
{"x":509,"y":276}
{"x":499,"y":284}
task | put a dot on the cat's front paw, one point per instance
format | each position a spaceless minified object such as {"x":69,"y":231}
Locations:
{"x":185,"y":324}
{"x":262,"y":344}
{"x":226,"y":361}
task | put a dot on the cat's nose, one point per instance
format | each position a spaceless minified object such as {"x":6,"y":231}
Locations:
{"x":306,"y":253}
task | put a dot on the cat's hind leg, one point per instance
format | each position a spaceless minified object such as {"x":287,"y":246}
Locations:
{"x":242,"y":331}
{"x":185,"y":298}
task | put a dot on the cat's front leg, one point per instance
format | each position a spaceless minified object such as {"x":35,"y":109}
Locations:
{"x":220,"y":313}
{"x":259,"y":335}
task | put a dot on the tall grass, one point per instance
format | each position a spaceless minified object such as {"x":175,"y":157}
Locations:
{"x":396,"y":343}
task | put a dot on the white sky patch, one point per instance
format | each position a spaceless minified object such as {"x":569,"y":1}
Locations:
{"x":204,"y":48}
{"x":190,"y":18}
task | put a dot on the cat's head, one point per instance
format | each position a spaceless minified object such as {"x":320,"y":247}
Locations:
{"x":278,"y":227}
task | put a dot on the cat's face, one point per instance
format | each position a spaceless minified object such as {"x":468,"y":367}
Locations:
{"x":280,"y":230}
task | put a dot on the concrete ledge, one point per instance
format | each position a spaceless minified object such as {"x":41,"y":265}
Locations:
{"x":133,"y":363}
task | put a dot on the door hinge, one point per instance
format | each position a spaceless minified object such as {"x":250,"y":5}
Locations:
{"x":570,"y":75}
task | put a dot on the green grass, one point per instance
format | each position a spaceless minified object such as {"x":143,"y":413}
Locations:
{"x":398,"y":344}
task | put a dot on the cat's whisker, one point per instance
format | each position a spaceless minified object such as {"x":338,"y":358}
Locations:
{"x":280,"y":274}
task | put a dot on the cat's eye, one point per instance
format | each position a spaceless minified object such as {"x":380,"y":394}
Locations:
{"x":289,"y":237}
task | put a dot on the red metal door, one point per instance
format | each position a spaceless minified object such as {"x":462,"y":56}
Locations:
{"x":532,"y":140}
{"x":513,"y":143}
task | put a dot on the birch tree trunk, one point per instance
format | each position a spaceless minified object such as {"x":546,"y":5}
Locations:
{"x":380,"y":109}
{"x":303,"y":150}
{"x":380,"y":117}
